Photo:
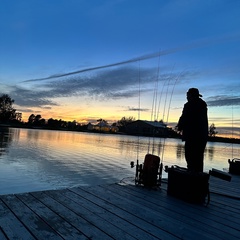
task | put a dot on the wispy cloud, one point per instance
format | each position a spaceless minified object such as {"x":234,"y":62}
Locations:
{"x":197,"y":44}
{"x":31,"y":98}
{"x":223,"y":100}
{"x":117,"y":83}
{"x":105,"y":84}
{"x":133,"y":109}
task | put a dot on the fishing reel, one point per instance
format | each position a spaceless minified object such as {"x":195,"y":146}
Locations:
{"x":132,"y":164}
{"x":138,"y":173}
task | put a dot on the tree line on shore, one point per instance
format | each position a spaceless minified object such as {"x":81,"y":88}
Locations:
{"x":9,"y":115}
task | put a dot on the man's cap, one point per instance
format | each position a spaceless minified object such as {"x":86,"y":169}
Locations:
{"x":194,"y":92}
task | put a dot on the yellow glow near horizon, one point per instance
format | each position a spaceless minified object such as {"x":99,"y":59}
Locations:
{"x":89,"y":110}
{"x":84,"y":118}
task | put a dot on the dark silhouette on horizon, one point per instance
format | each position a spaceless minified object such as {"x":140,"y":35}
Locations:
{"x":9,"y":117}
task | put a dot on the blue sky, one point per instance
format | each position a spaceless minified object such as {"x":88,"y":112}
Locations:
{"x":84,"y":60}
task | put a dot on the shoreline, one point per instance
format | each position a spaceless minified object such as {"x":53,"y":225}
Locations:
{"x":210,"y":139}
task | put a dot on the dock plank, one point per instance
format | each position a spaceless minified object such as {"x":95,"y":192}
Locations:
{"x":187,"y":218}
{"x":11,"y":226}
{"x":86,"y":221}
{"x":194,"y":216}
{"x":120,"y":211}
{"x":144,"y":230}
{"x":230,"y":189}
{"x":2,"y":234}
{"x":173,"y":204}
{"x":35,"y":225}
{"x":160,"y":219}
{"x":94,"y":214}
{"x":59,"y":224}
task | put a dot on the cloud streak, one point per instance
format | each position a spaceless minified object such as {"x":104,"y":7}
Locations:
{"x":29,"y":98}
{"x":109,"y":84}
{"x":197,"y":44}
{"x":114,"y":84}
{"x":224,"y":100}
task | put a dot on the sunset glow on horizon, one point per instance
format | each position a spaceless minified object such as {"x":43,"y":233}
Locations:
{"x":85,"y":60}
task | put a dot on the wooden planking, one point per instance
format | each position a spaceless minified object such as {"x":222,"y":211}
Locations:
{"x":86,"y":221}
{"x":33,"y":223}
{"x":190,"y":220}
{"x":232,"y":214}
{"x":226,"y":196}
{"x":134,"y":225}
{"x":57,"y":223}
{"x":2,"y":234}
{"x":141,"y":210}
{"x":120,"y":211}
{"x":230,"y":189}
{"x":11,"y":226}
{"x":197,"y":213}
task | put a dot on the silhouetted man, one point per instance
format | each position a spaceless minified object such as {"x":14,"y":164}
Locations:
{"x":194,"y":126}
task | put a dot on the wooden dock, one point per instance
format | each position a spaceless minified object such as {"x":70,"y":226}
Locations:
{"x":121,"y":211}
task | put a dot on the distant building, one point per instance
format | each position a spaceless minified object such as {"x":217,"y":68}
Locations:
{"x":90,"y":127}
{"x":147,"y":128}
{"x":102,"y":127}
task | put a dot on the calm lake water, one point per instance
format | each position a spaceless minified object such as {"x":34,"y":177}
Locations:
{"x":32,"y":160}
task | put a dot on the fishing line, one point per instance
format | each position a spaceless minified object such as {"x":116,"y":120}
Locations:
{"x":165,"y":83}
{"x":164,"y":109}
{"x":160,"y":99}
{"x":154,"y":100}
{"x":169,"y":105}
{"x":232,"y":128}
{"x":154,"y":106}
{"x":139,"y":90}
{"x":158,"y":71}
{"x":170,"y":101}
{"x":157,"y":112}
{"x":139,"y":104}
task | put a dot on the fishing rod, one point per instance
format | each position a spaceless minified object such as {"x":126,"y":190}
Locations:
{"x":154,"y":103}
{"x":165,"y":83}
{"x":160,"y":99}
{"x":158,"y":74}
{"x":169,"y":105}
{"x":139,"y":104}
{"x":170,"y":101}
{"x":165,"y":103}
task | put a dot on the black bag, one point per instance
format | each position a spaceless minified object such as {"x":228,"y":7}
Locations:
{"x":189,"y":186}
{"x":234,"y":166}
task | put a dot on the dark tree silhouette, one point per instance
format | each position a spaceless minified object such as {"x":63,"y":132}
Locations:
{"x":36,"y":120}
{"x":212,"y":130}
{"x":31,"y":119}
{"x":125,"y":121}
{"x":7,"y":112}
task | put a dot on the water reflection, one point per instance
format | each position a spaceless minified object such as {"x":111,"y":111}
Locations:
{"x":5,"y":139}
{"x":180,"y":154}
{"x":38,"y":159}
{"x":210,"y":153}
